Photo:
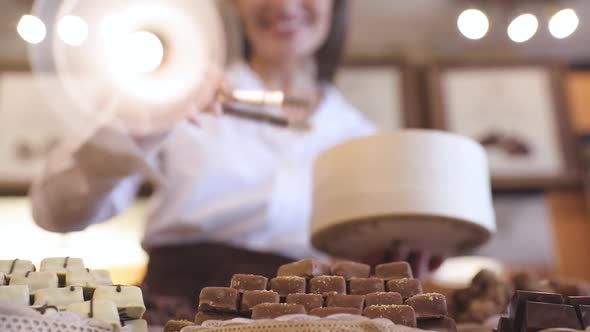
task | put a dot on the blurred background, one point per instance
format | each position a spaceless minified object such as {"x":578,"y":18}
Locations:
{"x":512,"y":74}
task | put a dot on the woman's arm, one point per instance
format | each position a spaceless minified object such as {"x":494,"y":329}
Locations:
{"x":93,"y":182}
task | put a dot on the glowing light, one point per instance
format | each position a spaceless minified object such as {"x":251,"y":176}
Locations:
{"x":473,"y":24}
{"x":113,"y":26}
{"x":259,"y":97}
{"x":138,"y":52}
{"x":523,"y":28}
{"x":31,"y":29}
{"x":72,"y":30}
{"x":457,"y":272}
{"x":563,"y":23}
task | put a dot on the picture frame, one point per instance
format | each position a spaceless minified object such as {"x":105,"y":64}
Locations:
{"x":384,"y":90}
{"x":517,"y":110}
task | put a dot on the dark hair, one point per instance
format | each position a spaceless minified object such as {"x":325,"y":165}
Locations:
{"x":330,"y":53}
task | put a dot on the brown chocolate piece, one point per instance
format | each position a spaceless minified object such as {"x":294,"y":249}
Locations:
{"x":396,"y":270}
{"x":177,"y":325}
{"x":578,"y":302}
{"x":584,"y":315}
{"x":288,"y":285}
{"x":202,"y":317}
{"x":429,"y":305}
{"x":539,"y":316}
{"x":405,"y":287}
{"x":398,"y":314}
{"x":248,"y":282}
{"x":346,"y":301}
{"x":255,"y":297}
{"x":383,"y":298}
{"x":328,"y":311}
{"x":307,"y":268}
{"x":274,"y":310}
{"x":218,"y":299}
{"x":520,"y":298}
{"x":309,"y":301}
{"x":327,"y":284}
{"x":443,"y":324}
{"x":350,"y":270}
{"x":364,"y":286}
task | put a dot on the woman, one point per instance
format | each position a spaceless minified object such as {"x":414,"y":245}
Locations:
{"x":234,"y":195}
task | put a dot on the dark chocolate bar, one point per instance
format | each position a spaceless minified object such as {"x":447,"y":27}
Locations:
{"x":274,"y":310}
{"x":248,"y":282}
{"x":520,"y":298}
{"x":327,"y":284}
{"x":328,"y":311}
{"x":350,"y":270}
{"x":396,"y":270}
{"x":307,"y":268}
{"x":346,"y":301}
{"x":383,"y":298}
{"x":255,"y":297}
{"x":584,"y":315}
{"x":398,"y":314}
{"x":539,"y":316}
{"x":288,"y":285}
{"x":218,"y":299}
{"x":309,"y":301}
{"x":405,"y":287}
{"x":364,"y":286}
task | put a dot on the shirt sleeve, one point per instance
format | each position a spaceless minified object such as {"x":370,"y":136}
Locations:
{"x":94,"y":182}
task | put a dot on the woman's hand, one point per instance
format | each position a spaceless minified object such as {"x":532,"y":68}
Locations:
{"x":146,"y":119}
{"x":421,"y":261}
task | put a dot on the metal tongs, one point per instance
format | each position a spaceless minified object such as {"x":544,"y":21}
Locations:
{"x":249,"y":105}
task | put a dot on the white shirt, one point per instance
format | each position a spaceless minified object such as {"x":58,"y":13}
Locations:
{"x":232,"y":180}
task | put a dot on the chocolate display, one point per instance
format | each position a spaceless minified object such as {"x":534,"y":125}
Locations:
{"x":346,"y":301}
{"x":350,"y":270}
{"x":431,"y":305}
{"x":274,"y":310}
{"x":397,"y":270}
{"x":364,"y":286}
{"x":306,"y":292}
{"x":248,"y":282}
{"x":288,"y":285}
{"x":327,"y":284}
{"x":328,"y":311}
{"x":255,"y":297}
{"x":89,"y":293}
{"x":309,"y":301}
{"x":405,"y":287}
{"x":219,"y":299}
{"x":383,"y":298}
{"x":399,"y":314}
{"x":307,"y":268}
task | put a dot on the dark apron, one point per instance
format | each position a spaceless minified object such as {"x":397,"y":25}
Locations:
{"x":176,"y":274}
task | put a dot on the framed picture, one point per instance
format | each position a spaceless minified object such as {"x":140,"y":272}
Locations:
{"x":383,"y":90}
{"x":517,"y":111}
{"x":29,"y":128}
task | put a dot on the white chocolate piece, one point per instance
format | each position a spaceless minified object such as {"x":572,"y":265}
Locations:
{"x":17,"y":265}
{"x":103,"y":310}
{"x":35,"y":280}
{"x":59,"y":297}
{"x":129,"y":299}
{"x":61,"y":264}
{"x":18,"y":295}
{"x":2,"y":279}
{"x":88,"y":278}
{"x":138,"y":325}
